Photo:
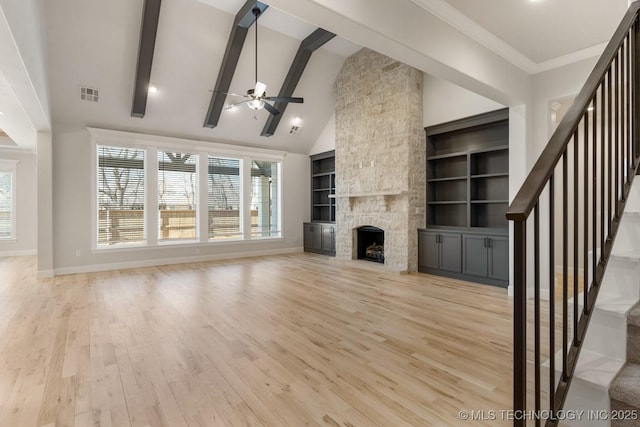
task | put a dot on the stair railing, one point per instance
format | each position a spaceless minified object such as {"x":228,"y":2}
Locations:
{"x":571,"y":203}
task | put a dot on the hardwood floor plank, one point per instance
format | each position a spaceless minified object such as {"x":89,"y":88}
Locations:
{"x":291,"y":340}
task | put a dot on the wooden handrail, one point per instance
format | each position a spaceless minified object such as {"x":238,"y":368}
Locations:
{"x":538,"y":178}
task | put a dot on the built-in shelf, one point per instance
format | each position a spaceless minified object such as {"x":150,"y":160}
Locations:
{"x":491,"y":175}
{"x":489,"y":201}
{"x":467,"y":199}
{"x":489,"y":149}
{"x":323,"y":174}
{"x":451,"y":178}
{"x":468,"y":172}
{"x":449,"y":155}
{"x":323,"y":185}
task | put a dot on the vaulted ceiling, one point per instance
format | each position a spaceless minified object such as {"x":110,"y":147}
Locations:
{"x":95,"y":43}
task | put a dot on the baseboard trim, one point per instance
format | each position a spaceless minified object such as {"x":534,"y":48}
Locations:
{"x":27,"y":252}
{"x":171,"y":261}
{"x":45,"y":274}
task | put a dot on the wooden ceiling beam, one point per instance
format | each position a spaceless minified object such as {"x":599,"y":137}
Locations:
{"x":148,"y":31}
{"x":243,"y":21}
{"x":312,"y":42}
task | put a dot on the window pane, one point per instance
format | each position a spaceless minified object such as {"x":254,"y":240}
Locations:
{"x":177,"y":193}
{"x":223,"y":180}
{"x":120,"y":195}
{"x":6,"y":205}
{"x":265,"y":200}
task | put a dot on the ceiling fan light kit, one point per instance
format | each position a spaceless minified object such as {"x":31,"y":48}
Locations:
{"x":257,"y":97}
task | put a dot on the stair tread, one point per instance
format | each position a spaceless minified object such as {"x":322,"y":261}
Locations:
{"x":633,"y":318}
{"x":633,"y":256}
{"x":626,"y":386}
{"x":595,"y":368}
{"x":613,"y":304}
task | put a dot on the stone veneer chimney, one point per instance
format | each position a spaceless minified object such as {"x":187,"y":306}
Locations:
{"x":380,"y":156}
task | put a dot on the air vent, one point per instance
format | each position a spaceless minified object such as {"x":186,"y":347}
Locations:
{"x":88,"y":94}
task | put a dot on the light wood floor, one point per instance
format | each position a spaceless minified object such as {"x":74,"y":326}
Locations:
{"x":291,"y":340}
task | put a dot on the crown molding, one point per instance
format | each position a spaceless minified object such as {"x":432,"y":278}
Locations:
{"x":472,"y":29}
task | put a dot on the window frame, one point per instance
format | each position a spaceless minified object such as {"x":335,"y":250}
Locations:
{"x":151,"y":145}
{"x":11,"y":166}
{"x":95,"y":199}
{"x":278,"y":197}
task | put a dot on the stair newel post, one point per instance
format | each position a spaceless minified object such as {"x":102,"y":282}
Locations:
{"x":520,"y":323}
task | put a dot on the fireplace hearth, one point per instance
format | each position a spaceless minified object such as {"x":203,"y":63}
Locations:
{"x":371,"y":244}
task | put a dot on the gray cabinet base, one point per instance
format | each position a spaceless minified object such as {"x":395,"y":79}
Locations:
{"x":466,"y":278}
{"x":320,"y":238}
{"x":474,"y":255}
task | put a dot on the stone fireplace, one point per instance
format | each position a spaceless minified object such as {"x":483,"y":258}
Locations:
{"x":380,"y":157}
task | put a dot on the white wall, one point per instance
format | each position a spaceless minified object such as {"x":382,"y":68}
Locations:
{"x":72,"y":213}
{"x":445,"y":101}
{"x":26,"y":204}
{"x":548,"y":86}
{"x":327,"y":139}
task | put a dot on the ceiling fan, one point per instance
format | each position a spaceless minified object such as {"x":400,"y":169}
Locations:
{"x":257,"y":98}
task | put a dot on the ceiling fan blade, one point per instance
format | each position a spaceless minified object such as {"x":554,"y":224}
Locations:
{"x":259,"y":89}
{"x":230,"y":94}
{"x":271,"y":109}
{"x":231,"y":106}
{"x":284,"y":99}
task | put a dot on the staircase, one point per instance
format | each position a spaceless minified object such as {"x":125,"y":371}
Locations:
{"x":578,"y":209}
{"x":602,"y":382}
{"x":625,"y":389}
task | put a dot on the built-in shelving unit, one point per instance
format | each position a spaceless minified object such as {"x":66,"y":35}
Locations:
{"x":319,"y":234}
{"x":467,"y":199}
{"x":323,"y":185}
{"x":468,"y":172}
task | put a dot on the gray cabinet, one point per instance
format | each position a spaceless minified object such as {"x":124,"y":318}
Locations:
{"x":486,"y":256}
{"x":320,"y":238}
{"x":467,"y":254}
{"x":439,"y":251}
{"x":498,"y":258}
{"x":474,"y":259}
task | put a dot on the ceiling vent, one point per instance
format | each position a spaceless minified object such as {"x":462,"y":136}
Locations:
{"x":88,"y":94}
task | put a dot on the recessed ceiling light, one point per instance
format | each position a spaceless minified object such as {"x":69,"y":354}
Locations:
{"x":296,"y":121}
{"x":153,"y":89}
{"x":1,"y":113}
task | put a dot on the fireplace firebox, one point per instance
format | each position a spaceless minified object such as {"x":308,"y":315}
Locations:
{"x":371,"y":244}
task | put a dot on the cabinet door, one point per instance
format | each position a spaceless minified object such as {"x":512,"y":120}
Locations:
{"x":474,"y":255}
{"x":450,"y":252}
{"x":328,"y":238}
{"x":313,"y":237}
{"x":498,"y":258}
{"x":428,"y":250}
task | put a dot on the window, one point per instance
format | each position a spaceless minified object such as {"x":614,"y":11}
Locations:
{"x":265,"y":199}
{"x":152,"y":190}
{"x":120,"y":196}
{"x":7,"y":200}
{"x":223,"y":197}
{"x":177,"y":194}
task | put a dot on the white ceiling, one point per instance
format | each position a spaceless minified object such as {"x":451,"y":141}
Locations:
{"x":94,"y":43}
{"x":543,"y":30}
